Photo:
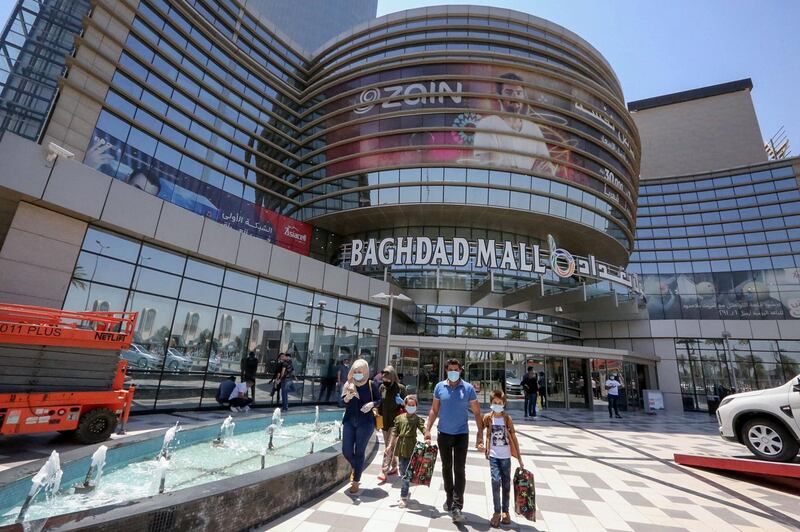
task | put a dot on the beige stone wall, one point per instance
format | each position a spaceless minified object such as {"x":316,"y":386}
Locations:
{"x":700,"y":135}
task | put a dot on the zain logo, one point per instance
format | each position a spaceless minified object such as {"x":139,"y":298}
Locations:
{"x":561,"y":261}
{"x":412,"y":94}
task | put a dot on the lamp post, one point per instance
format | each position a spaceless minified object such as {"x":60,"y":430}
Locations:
{"x":391,"y":297}
{"x":726,"y":336}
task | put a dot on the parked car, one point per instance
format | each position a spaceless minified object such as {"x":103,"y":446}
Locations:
{"x":513,"y":383}
{"x":177,"y":361}
{"x":766,"y":421}
{"x":141,"y":358}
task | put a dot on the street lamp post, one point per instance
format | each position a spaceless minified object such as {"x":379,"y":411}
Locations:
{"x":726,"y":336}
{"x":391,"y":298}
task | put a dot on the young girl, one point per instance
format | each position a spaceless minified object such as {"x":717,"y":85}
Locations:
{"x":501,"y":445}
{"x":404,"y":438}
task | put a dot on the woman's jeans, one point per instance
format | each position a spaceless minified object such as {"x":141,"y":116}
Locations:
{"x":403,"y":464}
{"x":501,"y":477}
{"x":354,"y":445}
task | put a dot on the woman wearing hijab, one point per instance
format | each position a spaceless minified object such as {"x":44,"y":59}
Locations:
{"x":393,"y":395}
{"x":360,"y":396}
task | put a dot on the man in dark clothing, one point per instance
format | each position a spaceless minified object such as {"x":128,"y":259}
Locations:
{"x":543,"y":388}
{"x":392,"y":398}
{"x":276,"y":376}
{"x":224,"y":390}
{"x":342,"y":370}
{"x":287,"y":380}
{"x":530,"y":386}
{"x":250,"y":370}
{"x":327,"y":381}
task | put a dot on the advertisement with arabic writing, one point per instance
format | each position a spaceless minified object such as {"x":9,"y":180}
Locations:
{"x":519,"y":124}
{"x":126,"y":163}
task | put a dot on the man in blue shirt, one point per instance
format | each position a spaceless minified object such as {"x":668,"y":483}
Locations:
{"x":452,"y":400}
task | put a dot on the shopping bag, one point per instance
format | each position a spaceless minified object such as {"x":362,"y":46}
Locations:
{"x":422,"y":463}
{"x":524,"y":494}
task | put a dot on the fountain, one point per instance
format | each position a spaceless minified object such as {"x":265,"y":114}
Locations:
{"x":48,"y":479}
{"x":126,"y":478}
{"x":225,"y":431}
{"x":169,"y":436}
{"x":94,"y":472}
{"x":316,"y":418}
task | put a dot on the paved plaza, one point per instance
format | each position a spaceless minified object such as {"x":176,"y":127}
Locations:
{"x":592,"y":473}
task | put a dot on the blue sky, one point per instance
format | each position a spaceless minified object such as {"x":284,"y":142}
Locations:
{"x":662,"y":47}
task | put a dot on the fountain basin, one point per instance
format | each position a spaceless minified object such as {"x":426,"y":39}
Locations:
{"x":237,"y":502}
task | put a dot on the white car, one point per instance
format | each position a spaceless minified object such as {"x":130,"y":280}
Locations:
{"x":766,"y":421}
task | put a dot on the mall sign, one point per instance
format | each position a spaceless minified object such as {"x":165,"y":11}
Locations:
{"x":486,"y":253}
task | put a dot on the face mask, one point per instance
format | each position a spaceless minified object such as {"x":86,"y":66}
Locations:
{"x":358,"y":376}
{"x":496,"y":408}
{"x":411,"y":409}
{"x":453,"y":376}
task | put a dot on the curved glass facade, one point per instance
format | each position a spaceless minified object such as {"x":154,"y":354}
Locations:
{"x":722,"y":247}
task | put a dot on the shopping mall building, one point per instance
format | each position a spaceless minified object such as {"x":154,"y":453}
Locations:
{"x":249,"y":182}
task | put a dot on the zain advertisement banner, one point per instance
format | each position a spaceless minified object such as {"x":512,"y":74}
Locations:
{"x":518,"y":126}
{"x":121,"y":161}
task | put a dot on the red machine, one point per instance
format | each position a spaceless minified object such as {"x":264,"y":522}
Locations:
{"x":61,"y":371}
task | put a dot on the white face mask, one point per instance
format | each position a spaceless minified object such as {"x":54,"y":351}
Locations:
{"x":497,"y":408}
{"x":358,"y":376}
{"x":453,"y":376}
{"x":411,"y":409}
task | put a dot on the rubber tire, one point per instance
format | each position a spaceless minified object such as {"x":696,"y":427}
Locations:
{"x":173,"y":366}
{"x":88,"y":430}
{"x":143,"y":363}
{"x":790,"y":444}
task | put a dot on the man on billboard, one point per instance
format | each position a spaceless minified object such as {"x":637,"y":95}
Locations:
{"x":494,"y":135}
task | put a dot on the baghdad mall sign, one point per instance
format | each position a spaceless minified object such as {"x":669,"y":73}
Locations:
{"x":522,"y":257}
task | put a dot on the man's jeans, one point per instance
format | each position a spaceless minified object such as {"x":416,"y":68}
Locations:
{"x":453,"y":451}
{"x":530,"y":404}
{"x":285,"y":385}
{"x":500,"y":469}
{"x":612,"y":403}
{"x":403,"y":466}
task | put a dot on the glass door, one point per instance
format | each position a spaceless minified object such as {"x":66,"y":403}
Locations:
{"x":553,"y":396}
{"x":429,"y":371}
{"x":580,"y":383}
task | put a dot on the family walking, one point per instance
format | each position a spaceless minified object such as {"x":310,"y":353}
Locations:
{"x":388,"y":407}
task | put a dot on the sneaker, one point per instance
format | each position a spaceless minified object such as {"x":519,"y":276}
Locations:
{"x":382,"y":478}
{"x":494,"y":522}
{"x":506,"y":520}
{"x":457,"y":516}
{"x":234,"y":409}
{"x":619,"y":416}
{"x":447,"y":506}
{"x":402,"y":503}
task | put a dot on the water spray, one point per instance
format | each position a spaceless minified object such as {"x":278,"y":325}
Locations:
{"x":48,"y":478}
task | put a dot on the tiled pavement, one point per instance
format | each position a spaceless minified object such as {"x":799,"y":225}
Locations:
{"x":592,"y":474}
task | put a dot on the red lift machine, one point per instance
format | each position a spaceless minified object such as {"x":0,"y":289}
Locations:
{"x":61,"y":371}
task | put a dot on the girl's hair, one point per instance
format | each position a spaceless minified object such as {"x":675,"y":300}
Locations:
{"x":359,"y":366}
{"x":497,"y":394}
{"x":411,"y":397}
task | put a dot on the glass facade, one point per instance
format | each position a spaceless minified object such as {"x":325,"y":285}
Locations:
{"x":726,"y":247}
{"x":711,"y":368}
{"x":198,"y":321}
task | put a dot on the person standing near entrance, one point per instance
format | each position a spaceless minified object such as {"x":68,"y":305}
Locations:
{"x":287,"y":380}
{"x":452,"y":400}
{"x":530,"y":386}
{"x":543,"y":389}
{"x":612,"y":386}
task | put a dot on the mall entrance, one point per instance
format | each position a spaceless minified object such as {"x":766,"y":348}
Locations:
{"x":564,"y":382}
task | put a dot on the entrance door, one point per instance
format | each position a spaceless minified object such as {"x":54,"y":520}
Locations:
{"x":554,"y":390}
{"x":429,"y":371}
{"x":580,"y":384}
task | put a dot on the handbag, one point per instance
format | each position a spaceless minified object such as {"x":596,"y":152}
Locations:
{"x":375,"y":412}
{"x":524,"y":494}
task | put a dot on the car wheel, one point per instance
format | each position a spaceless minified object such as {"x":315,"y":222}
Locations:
{"x":173,"y":366}
{"x":143,"y":363}
{"x":769,"y":440}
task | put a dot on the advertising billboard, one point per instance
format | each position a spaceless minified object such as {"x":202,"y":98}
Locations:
{"x":511,"y":119}
{"x":126,"y":163}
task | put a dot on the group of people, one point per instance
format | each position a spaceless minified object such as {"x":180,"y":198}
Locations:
{"x":240,"y":396}
{"x":454,"y":400}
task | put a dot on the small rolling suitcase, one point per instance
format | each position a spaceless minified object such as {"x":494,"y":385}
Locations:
{"x":524,"y":494}
{"x":421,"y":465}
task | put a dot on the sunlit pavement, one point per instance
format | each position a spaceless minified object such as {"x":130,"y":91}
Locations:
{"x":592,"y":473}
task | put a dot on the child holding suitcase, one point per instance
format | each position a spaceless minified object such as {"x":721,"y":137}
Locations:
{"x":404,"y":438}
{"x":501,"y":444}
